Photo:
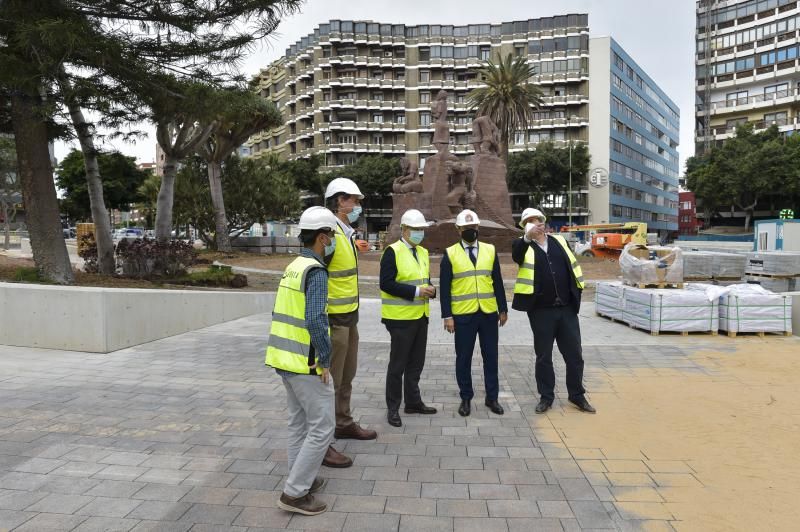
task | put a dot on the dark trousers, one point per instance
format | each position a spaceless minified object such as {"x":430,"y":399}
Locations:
{"x":484,"y":326}
{"x":406,"y":360}
{"x":560,"y":324}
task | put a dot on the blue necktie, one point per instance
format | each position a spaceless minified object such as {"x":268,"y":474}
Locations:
{"x":472,"y":256}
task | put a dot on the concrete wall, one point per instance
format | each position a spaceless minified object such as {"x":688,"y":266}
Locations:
{"x":101,"y":320}
{"x":599,"y":124}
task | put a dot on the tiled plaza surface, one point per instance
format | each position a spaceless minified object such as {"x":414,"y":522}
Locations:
{"x":188,"y":433}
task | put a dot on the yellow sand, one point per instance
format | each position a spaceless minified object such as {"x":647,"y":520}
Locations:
{"x":738,"y":430}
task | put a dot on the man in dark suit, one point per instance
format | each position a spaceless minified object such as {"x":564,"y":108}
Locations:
{"x":405,"y":293}
{"x":548,"y":288}
{"x":473,"y":304}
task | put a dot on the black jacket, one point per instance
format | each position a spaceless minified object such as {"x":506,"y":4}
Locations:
{"x":527,"y":302}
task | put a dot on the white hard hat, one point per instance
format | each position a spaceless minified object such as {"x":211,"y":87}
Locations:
{"x":317,"y":218}
{"x":343,"y":185}
{"x":530,"y":212}
{"x":414,"y":218}
{"x":467,"y":217}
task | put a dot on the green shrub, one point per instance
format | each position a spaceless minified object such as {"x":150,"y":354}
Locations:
{"x":27,"y":275}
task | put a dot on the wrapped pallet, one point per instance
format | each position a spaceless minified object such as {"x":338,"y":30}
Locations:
{"x":651,"y":265}
{"x":608,"y":299}
{"x":775,"y":263}
{"x":728,"y":265}
{"x":698,"y":265}
{"x":662,"y":310}
{"x":751,"y":308}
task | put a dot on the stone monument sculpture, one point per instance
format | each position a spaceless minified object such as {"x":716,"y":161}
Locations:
{"x":408,"y":180}
{"x":450,"y":184}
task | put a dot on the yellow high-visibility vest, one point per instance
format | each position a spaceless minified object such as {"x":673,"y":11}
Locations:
{"x":343,"y":276}
{"x":472,"y":286}
{"x":289,"y":347}
{"x":409,"y":271}
{"x":524,"y":284}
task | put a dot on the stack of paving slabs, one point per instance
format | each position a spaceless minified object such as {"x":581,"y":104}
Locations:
{"x":708,"y":265}
{"x":608,"y":299}
{"x":658,"y":266}
{"x":753,"y":309}
{"x":778,"y":271}
{"x":668,"y":310}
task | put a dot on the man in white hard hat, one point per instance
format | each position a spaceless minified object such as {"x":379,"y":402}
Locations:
{"x":299,"y":348}
{"x":405,"y":293}
{"x":343,"y":198}
{"x":548,"y":288}
{"x":473,"y":303}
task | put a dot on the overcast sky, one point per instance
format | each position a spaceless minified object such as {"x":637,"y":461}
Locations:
{"x":658,"y":34}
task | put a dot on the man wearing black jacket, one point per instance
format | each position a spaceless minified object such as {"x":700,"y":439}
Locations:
{"x":548,"y":288}
{"x":405,"y":308}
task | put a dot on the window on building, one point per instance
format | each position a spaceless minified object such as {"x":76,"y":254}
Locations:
{"x":400,"y":119}
{"x":424,"y":75}
{"x":519,"y":51}
{"x":347,"y":138}
{"x":424,"y":53}
{"x":777,"y":91}
{"x":377,"y":117}
{"x":377,"y":138}
{"x":424,"y":97}
{"x":425,"y":119}
{"x":486,"y":53}
{"x":776,"y":118}
{"x":377,"y":96}
{"x":449,"y":75}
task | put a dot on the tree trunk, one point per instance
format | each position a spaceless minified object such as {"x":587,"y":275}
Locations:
{"x":102,"y":225}
{"x":166,"y":199}
{"x":39,"y":190}
{"x":218,"y":203}
{"x":7,"y":226}
{"x":504,"y":137}
{"x":748,"y":215}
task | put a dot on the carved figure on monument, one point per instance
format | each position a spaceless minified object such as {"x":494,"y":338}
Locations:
{"x":485,"y":136}
{"x":461,"y":186}
{"x":441,"y":129}
{"x":408,"y":180}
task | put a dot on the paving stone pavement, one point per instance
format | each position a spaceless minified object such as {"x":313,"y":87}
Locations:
{"x":188,"y":433}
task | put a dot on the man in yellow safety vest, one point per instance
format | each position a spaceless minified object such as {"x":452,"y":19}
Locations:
{"x":548,"y":288}
{"x":473,"y":304}
{"x":405,"y":293}
{"x":343,"y":198}
{"x":299,"y":349}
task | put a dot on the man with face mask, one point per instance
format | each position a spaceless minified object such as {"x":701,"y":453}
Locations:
{"x":548,"y":288}
{"x":299,"y":348}
{"x":473,"y":304}
{"x":343,"y":199}
{"x":405,"y":293}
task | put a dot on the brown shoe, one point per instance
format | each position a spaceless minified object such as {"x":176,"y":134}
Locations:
{"x":354,"y":432}
{"x":318,"y":484}
{"x":305,"y":505}
{"x":334,"y":458}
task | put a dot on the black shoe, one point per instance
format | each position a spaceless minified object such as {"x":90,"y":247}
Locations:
{"x":494,"y":406}
{"x":583,"y":405}
{"x":420,"y":408}
{"x":543,"y":406}
{"x":394,"y":418}
{"x":464,"y":409}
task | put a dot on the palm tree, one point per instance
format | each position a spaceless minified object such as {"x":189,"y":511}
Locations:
{"x":508,"y":99}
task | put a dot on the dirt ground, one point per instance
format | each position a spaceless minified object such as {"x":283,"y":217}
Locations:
{"x":737,"y":428}
{"x":593,"y":269}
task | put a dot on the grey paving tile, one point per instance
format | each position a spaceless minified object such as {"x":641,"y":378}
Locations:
{"x":328,"y":522}
{"x":19,"y":500}
{"x":106,"y":524}
{"x":591,"y":514}
{"x":213,"y":514}
{"x":480,"y":524}
{"x":410,"y":506}
{"x":109,"y":507}
{"x":159,"y":510}
{"x":161,"y":526}
{"x":560,"y":509}
{"x":210,"y":495}
{"x":363,"y":522}
{"x":492,"y":491}
{"x":51,"y":522}
{"x":418,"y":523}
{"x":545,"y":524}
{"x":10,"y":519}
{"x":58,"y":503}
{"x":396,"y":488}
{"x":115,"y":488}
{"x":461,"y":508}
{"x":161,"y":492}
{"x":434,"y":490}
{"x":512,"y":508}
{"x":256,"y":517}
{"x":360,"y":503}
{"x":254,"y":482}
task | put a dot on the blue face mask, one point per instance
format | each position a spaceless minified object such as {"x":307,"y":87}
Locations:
{"x":353,"y":215}
{"x":416,"y":236}
{"x":330,"y":248}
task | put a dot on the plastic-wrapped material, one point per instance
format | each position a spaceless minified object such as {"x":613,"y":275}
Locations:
{"x":728,"y":265}
{"x":698,"y":265}
{"x":608,"y":299}
{"x":751,"y":308}
{"x":775,"y":284}
{"x":657,"y":310}
{"x":651,"y":265}
{"x":785,"y":263}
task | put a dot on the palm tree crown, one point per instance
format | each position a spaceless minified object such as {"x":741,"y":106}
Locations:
{"x":509,"y":98}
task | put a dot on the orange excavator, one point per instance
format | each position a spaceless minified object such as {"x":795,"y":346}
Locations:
{"x":608,"y":240}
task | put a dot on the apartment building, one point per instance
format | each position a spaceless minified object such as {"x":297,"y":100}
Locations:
{"x":353,"y":88}
{"x":747,"y":67}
